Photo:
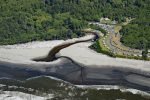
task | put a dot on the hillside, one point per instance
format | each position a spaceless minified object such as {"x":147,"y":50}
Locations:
{"x":28,"y":20}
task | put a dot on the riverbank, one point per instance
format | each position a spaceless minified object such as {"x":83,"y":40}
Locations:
{"x":81,"y":53}
{"x":77,"y":64}
{"x":24,"y":53}
{"x":58,"y":89}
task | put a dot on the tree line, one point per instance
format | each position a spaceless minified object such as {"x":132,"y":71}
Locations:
{"x":29,"y":20}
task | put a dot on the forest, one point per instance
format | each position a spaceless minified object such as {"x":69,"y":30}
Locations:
{"x":137,"y":33}
{"x":29,"y":20}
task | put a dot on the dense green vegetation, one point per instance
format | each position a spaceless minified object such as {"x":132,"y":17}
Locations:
{"x":97,"y":47}
{"x":95,"y":27}
{"x":137,"y":33}
{"x":29,"y":20}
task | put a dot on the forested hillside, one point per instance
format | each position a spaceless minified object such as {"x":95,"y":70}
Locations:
{"x":28,"y":20}
{"x":137,"y":33}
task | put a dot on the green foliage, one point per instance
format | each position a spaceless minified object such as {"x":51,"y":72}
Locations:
{"x":144,"y":54}
{"x":136,"y":34}
{"x":95,"y":27}
{"x":29,"y":20}
{"x":97,"y":47}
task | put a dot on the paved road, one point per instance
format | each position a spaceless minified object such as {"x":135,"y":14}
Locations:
{"x":115,"y":45}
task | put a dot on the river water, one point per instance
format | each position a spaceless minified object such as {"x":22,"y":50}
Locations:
{"x":43,"y":86}
{"x":12,"y":74}
{"x":76,"y":74}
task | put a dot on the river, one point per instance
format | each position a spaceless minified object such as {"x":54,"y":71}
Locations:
{"x":74,"y":72}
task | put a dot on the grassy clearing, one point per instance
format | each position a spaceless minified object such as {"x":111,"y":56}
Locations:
{"x":118,"y":28}
{"x":101,"y":49}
